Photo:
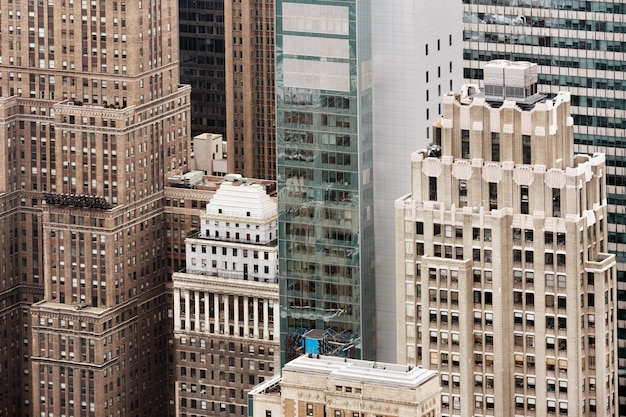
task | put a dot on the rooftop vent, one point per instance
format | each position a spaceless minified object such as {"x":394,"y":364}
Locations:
{"x":506,"y":80}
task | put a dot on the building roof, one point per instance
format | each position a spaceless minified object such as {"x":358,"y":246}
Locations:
{"x":242,"y":200}
{"x":360,"y":371}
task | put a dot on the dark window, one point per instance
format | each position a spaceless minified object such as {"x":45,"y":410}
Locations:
{"x":495,"y":146}
{"x":529,"y":255}
{"x":465,"y":144}
{"x":432,"y":188}
{"x":526,"y":149}
{"x":524,"y":199}
{"x":556,"y":202}
{"x":493,"y":196}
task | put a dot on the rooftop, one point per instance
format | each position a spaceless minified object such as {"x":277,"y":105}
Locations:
{"x":355,"y":370}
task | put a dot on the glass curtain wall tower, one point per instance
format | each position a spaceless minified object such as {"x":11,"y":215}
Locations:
{"x":323,"y":97}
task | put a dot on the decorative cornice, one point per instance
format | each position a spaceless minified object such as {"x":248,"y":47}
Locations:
{"x":523,"y":175}
{"x":431,"y":167}
{"x":492,"y":172}
{"x":462,"y":169}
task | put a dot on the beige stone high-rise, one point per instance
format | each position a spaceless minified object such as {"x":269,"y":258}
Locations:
{"x":92,"y":120}
{"x":502,"y":268}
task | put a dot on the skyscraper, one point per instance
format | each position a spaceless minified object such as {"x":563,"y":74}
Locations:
{"x":325,"y":200}
{"x":356,"y":83}
{"x":202,"y":62}
{"x":417,"y":57}
{"x":250,"y":75}
{"x":507,"y":288}
{"x":579,"y":45}
{"x":93,"y":120}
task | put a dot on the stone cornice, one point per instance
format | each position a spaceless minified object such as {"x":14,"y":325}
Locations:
{"x":197,"y":282}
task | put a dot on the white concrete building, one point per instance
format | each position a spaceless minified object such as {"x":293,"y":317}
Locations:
{"x":416,"y":58}
{"x":506,"y":286}
{"x":226,"y":302}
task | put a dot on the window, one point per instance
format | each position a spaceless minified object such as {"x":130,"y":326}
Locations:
{"x":495,"y":146}
{"x":528,"y":235}
{"x":462,"y":193}
{"x":524,"y":199}
{"x":465,"y":144}
{"x":556,"y":202}
{"x":493,"y":196}
{"x":529,"y":256}
{"x":526,"y":150}
{"x":432,"y":188}
{"x":309,"y":409}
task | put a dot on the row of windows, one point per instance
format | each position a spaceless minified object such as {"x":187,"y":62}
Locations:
{"x":547,"y":60}
{"x":224,"y":251}
{"x":546,"y":22}
{"x":580,"y":5}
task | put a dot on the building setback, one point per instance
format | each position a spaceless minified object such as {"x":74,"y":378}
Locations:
{"x":507,"y":288}
{"x":581,"y":46}
{"x":330,"y":386}
{"x":226,"y":303}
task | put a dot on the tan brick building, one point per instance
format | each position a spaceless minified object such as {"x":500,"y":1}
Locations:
{"x":93,"y":120}
{"x":250,"y":97}
{"x":502,"y":269}
{"x":323,"y":386}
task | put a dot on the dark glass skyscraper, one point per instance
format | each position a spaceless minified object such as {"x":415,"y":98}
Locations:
{"x":202,"y":52}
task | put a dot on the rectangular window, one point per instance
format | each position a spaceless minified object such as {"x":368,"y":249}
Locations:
{"x":556,"y":202}
{"x":432,"y":188}
{"x":524,"y":199}
{"x":465,"y":144}
{"x":462,"y":193}
{"x":493,"y":196}
{"x":526,"y":151}
{"x":495,"y":146}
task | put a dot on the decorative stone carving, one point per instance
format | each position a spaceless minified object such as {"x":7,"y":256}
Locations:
{"x":462,"y":169}
{"x":492,"y":172}
{"x":555,"y":178}
{"x":523,"y":175}
{"x":431,"y":167}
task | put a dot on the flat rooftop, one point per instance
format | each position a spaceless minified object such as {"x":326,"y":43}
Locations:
{"x":354,"y":370}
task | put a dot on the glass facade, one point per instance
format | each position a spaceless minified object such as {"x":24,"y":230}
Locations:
{"x":580,"y":46}
{"x":324,"y":136}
